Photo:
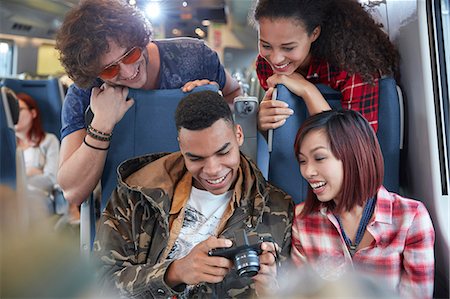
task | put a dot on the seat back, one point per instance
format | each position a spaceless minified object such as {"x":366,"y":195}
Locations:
{"x":48,"y":95}
{"x":9,"y":113}
{"x":284,"y":171}
{"x":147,"y":127}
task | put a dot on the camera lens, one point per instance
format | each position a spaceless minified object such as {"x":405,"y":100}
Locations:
{"x":247,"y":263}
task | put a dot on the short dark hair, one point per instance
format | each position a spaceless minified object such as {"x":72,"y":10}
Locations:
{"x":199,"y":110}
{"x":87,"y":29}
{"x":352,"y":141}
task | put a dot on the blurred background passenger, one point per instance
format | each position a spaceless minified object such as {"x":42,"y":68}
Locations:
{"x":37,"y":261}
{"x":40,"y":149}
{"x":305,"y":283}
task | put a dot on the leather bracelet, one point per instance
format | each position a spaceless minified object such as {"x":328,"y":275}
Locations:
{"x":98,"y":137}
{"x":95,"y":147}
{"x":90,"y":128}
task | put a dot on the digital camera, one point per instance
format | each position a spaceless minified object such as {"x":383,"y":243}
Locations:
{"x":244,"y":252}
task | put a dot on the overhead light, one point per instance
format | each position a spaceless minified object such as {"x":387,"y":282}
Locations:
{"x":199,"y":32}
{"x":132,"y":2}
{"x":176,"y":31}
{"x":206,"y":22}
{"x":153,"y":10}
{"x":184,"y":4}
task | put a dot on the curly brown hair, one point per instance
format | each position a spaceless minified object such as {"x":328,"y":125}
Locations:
{"x":87,"y":28}
{"x":350,"y":38}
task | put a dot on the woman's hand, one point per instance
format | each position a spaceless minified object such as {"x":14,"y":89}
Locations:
{"x":298,"y":85}
{"x":272,"y":113}
{"x":295,"y":82}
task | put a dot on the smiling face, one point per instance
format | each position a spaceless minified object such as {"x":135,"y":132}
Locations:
{"x":285,"y":44}
{"x":212,"y":155}
{"x":319,"y":166}
{"x":132,"y":75}
{"x":26,"y":116}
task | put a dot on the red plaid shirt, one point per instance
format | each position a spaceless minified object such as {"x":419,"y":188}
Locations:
{"x":356,"y":94}
{"x":401,"y":255}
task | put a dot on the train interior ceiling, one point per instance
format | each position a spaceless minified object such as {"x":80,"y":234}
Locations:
{"x":420,"y":30}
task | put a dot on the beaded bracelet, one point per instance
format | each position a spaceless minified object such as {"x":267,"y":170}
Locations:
{"x":90,"y":128}
{"x":98,"y":137}
{"x":95,"y":147}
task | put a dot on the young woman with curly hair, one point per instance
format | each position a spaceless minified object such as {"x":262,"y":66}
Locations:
{"x":305,"y":42}
{"x":105,"y":47}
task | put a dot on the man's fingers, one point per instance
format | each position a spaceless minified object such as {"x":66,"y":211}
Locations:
{"x":270,"y":246}
{"x":213,"y":242}
{"x":219,"y":262}
{"x":268,"y":258}
{"x":191,"y":85}
{"x":129,"y":104}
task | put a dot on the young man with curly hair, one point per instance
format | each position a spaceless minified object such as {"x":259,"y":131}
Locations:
{"x":106,"y":48}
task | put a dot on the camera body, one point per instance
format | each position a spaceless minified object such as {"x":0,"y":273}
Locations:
{"x":244,"y":253}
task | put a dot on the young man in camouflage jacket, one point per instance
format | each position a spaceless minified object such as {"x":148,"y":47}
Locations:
{"x":146,"y":224}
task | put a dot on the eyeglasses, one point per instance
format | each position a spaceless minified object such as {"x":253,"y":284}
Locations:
{"x":112,"y":70}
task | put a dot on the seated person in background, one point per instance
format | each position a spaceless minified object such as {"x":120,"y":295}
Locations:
{"x":349,"y":220}
{"x":40,"y":149}
{"x":106,"y":48}
{"x":168,"y":211}
{"x":306,"y":42}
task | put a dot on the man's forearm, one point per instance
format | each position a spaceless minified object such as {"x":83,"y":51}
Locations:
{"x":79,"y":174}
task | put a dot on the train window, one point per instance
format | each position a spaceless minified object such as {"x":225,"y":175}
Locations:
{"x":441,"y":73}
{"x":48,"y":62}
{"x":6,"y":57}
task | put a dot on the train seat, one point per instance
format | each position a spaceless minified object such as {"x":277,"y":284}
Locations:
{"x":281,"y":160}
{"x":9,"y":115}
{"x":49,"y":96}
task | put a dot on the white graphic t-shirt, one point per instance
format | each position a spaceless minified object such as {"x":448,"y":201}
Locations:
{"x":202,"y":216}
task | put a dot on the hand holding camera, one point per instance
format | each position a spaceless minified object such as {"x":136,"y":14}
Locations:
{"x":246,"y":251}
{"x":197,"y":266}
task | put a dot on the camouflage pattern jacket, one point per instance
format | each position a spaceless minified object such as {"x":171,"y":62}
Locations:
{"x":135,"y":227}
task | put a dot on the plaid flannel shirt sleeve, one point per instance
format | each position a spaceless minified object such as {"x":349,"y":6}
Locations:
{"x":359,"y":96}
{"x":417,"y":278}
{"x":263,"y":71}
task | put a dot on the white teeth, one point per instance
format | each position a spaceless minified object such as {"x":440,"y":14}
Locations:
{"x":317,"y":185}
{"x":216,"y":181}
{"x":281,"y":66}
{"x":134,"y":75}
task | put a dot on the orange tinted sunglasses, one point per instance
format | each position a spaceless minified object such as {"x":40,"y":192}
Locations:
{"x":113,"y":69}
